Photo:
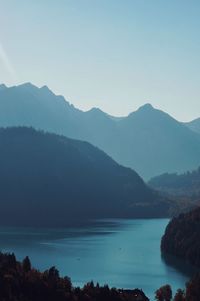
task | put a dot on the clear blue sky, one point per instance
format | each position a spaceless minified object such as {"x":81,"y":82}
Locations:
{"x":112,"y":54}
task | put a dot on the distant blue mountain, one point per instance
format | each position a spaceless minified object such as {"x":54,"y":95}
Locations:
{"x":148,"y":140}
{"x":194,"y":125}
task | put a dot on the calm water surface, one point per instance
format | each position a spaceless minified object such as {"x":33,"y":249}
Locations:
{"x":121,"y":253}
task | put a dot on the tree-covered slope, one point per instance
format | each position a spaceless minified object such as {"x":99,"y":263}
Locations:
{"x":182,"y":237}
{"x":182,"y":185}
{"x":46,"y":179}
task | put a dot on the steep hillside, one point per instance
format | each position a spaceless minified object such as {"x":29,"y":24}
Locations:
{"x":182,"y":237}
{"x":46,"y":179}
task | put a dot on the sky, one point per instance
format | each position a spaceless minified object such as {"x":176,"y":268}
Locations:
{"x":113,"y":54}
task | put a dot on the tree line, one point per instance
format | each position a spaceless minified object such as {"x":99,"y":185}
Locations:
{"x":19,"y":281}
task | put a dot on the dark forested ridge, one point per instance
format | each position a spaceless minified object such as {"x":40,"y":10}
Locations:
{"x":182,"y":237}
{"x":137,"y":141}
{"x":50,"y":179}
{"x":185,"y":185}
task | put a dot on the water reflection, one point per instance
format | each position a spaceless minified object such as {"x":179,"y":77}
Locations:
{"x":180,"y":265}
{"x":122,"y":253}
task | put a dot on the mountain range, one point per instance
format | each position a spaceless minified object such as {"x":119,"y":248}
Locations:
{"x":148,"y":140}
{"x":49,"y":180}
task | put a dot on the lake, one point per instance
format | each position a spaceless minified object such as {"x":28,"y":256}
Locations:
{"x":121,"y":253}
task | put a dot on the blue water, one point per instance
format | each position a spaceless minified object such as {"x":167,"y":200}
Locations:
{"x":121,"y":253}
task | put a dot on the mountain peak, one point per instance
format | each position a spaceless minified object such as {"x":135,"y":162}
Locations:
{"x":95,"y":110}
{"x":146,"y":107}
{"x":27,"y":85}
{"x":46,"y":90}
{"x":97,"y":113}
{"x":30,"y":87}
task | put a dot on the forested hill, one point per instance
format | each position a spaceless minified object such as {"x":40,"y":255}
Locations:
{"x":46,"y":179}
{"x":186,"y":185}
{"x":182,"y":237}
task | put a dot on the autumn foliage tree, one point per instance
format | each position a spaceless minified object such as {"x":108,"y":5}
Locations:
{"x":164,"y":293}
{"x":180,"y":295}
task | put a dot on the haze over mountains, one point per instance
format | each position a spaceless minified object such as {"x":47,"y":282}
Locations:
{"x":48,"y":180}
{"x":148,"y":140}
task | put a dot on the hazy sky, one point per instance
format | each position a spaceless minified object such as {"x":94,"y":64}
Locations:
{"x":112,"y":54}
